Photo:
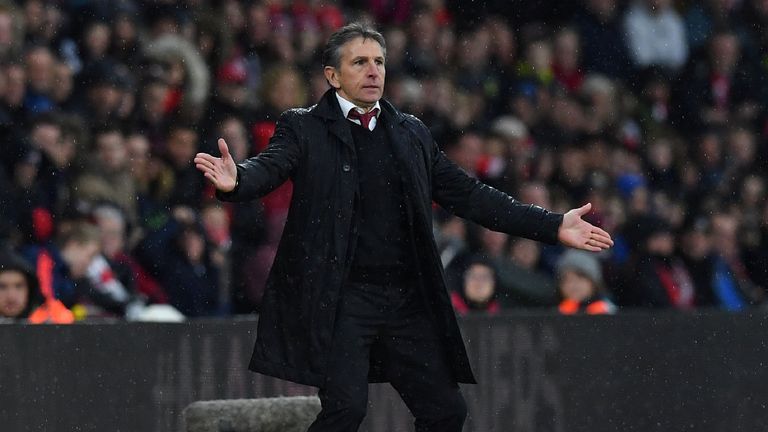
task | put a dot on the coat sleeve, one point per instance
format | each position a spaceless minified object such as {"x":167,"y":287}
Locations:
{"x":263,"y":173}
{"x":471,"y":199}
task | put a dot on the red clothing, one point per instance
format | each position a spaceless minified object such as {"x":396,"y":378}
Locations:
{"x":462,"y":307}
{"x":597,"y":306}
{"x":145,"y":283}
{"x":276,"y":203}
{"x":571,"y":80}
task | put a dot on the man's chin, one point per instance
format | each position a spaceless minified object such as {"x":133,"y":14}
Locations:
{"x":371,"y":96}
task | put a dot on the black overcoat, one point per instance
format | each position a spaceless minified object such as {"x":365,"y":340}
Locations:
{"x":314,"y":148}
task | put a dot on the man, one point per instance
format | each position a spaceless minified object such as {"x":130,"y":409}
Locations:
{"x":356,"y":292}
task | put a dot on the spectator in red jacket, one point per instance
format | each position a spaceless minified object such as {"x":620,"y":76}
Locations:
{"x":478,"y":292}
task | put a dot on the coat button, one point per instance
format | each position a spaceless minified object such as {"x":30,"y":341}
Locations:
{"x":346,"y":167}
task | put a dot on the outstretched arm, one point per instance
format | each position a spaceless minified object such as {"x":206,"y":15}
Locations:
{"x":469,"y":198}
{"x":577,"y":233}
{"x":222,"y":172}
{"x":259,"y":175}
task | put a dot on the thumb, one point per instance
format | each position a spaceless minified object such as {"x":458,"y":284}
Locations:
{"x":581,"y":211}
{"x":223,"y":149}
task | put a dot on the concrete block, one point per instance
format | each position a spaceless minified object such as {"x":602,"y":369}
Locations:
{"x":280,"y":414}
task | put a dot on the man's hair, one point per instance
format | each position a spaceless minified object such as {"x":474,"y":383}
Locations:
{"x":80,"y":233}
{"x":332,"y":51}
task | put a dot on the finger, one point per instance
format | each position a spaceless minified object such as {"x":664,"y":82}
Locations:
{"x":205,"y":157}
{"x":223,"y":148}
{"x":211,"y":178}
{"x":597,"y":245}
{"x":205,"y":163}
{"x":601,"y":244}
{"x":601,"y":237}
{"x":600,"y":232}
{"x":591,"y":248}
{"x":205,"y":169}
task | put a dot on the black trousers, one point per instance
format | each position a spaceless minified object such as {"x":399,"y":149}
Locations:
{"x":394,"y":319}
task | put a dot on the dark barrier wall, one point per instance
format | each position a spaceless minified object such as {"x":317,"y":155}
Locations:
{"x":632,"y":372}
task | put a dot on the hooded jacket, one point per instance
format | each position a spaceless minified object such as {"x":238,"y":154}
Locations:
{"x":9,"y":261}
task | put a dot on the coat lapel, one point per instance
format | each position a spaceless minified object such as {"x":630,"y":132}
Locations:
{"x":328,"y":109}
{"x":403,"y":147}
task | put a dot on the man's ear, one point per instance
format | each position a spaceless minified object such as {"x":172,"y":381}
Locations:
{"x":331,"y":75}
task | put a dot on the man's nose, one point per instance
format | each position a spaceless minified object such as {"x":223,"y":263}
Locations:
{"x":373,"y":69}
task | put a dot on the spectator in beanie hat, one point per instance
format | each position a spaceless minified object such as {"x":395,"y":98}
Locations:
{"x":580,"y":284}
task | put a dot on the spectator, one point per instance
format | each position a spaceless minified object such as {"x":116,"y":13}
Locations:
{"x":580,"y":285}
{"x":567,"y":59}
{"x":39,"y":62}
{"x":179,"y":256}
{"x":478,"y":290}
{"x":715,"y":284}
{"x":508,"y":153}
{"x":718,"y":88}
{"x":125,"y":46}
{"x":19,"y":290}
{"x":656,"y":277}
{"x":655,"y":102}
{"x":420,"y":58}
{"x":11,"y":31}
{"x":553,"y":111}
{"x":107,"y":176}
{"x":107,"y":97}
{"x":655,"y":34}
{"x":702,"y":18}
{"x":603,"y":42}
{"x":601,"y":110}
{"x":231,"y":96}
{"x":181,"y":146}
{"x":113,"y":231}
{"x":727,"y":235}
{"x":186,"y":75}
{"x":521,"y":281}
{"x":62,"y":268}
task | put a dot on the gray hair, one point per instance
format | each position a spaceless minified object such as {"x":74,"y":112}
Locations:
{"x":332,"y":51}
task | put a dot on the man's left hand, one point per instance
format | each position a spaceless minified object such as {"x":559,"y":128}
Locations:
{"x":577,"y":233}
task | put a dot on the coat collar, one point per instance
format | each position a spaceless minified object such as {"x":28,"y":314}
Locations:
{"x":328,"y":109}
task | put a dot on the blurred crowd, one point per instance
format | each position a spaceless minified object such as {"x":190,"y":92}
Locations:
{"x":654,"y":111}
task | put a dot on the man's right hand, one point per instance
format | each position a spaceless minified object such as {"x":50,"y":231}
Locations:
{"x":222,"y":171}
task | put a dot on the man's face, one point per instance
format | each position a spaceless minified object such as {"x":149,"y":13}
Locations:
{"x":181,"y":147}
{"x":14,"y":293}
{"x":111,"y":151}
{"x":360,"y":75}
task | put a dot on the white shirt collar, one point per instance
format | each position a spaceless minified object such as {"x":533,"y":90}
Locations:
{"x":347,"y":106}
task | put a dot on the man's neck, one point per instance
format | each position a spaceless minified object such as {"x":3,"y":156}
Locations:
{"x":364,"y":108}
